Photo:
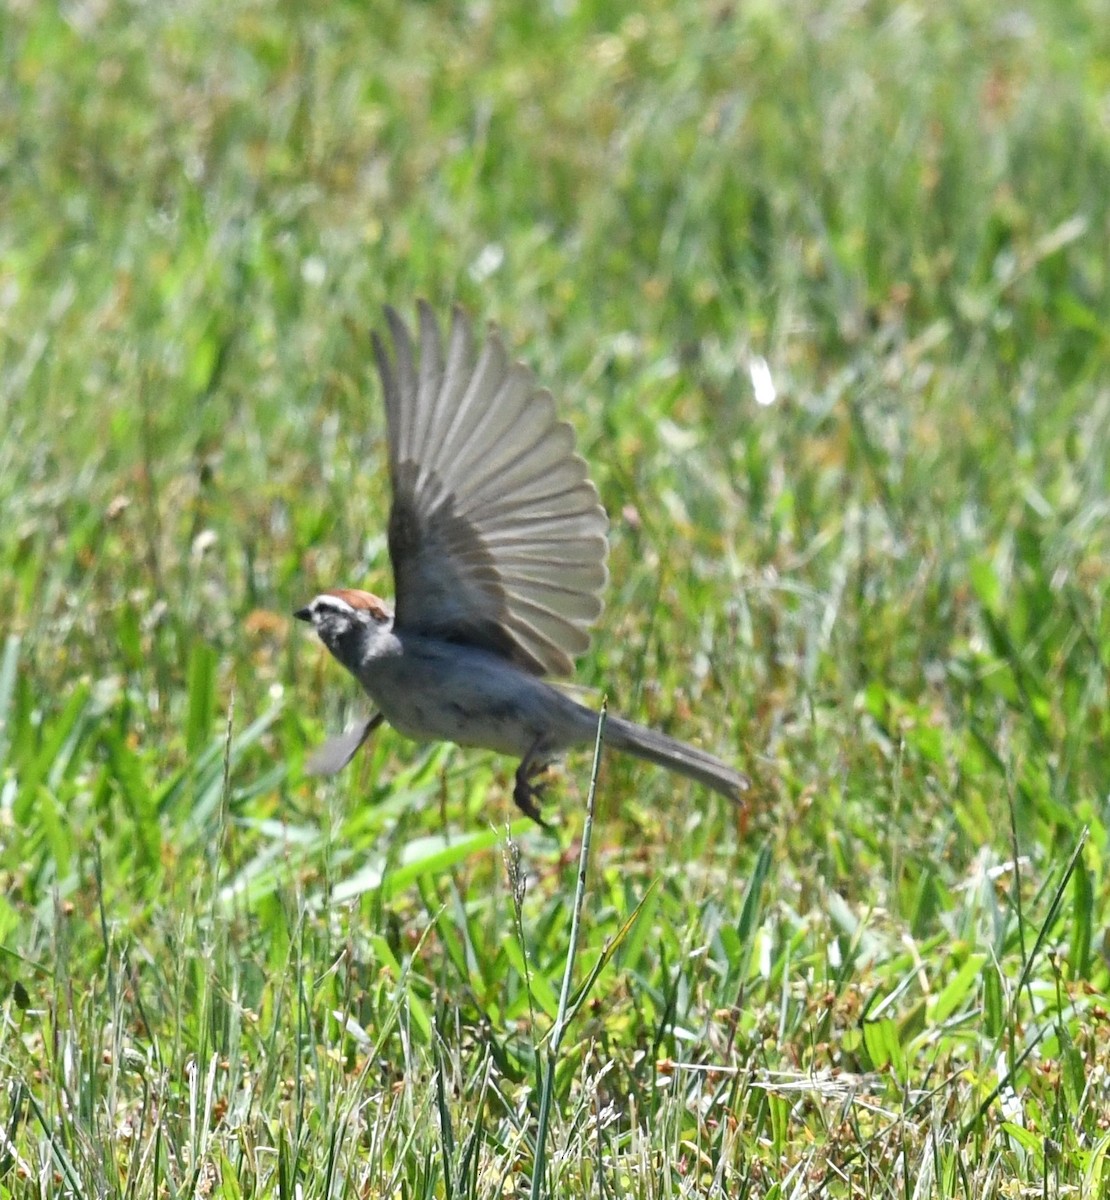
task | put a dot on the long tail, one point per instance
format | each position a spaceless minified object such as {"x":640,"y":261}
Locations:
{"x":676,"y":756}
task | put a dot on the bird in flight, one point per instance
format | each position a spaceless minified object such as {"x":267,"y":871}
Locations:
{"x":498,"y":544}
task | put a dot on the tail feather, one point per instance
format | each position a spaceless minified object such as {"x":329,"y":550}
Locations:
{"x":668,"y":752}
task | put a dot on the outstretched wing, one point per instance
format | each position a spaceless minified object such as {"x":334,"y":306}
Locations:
{"x":496,"y":534}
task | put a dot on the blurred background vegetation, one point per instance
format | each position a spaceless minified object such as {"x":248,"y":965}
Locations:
{"x":885,"y":594}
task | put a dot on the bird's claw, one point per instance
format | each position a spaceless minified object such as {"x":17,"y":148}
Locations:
{"x":525,"y":795}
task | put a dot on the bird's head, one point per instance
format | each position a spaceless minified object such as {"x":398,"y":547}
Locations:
{"x":347,"y":622}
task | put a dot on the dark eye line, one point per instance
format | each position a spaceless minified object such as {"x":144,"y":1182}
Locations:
{"x":337,"y":610}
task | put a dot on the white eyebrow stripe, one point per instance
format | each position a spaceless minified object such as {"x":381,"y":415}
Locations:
{"x":332,"y":604}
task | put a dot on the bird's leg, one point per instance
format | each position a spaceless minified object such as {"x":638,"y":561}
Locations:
{"x":525,"y":792}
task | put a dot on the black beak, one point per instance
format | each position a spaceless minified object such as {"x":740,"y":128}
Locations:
{"x":303,"y":614}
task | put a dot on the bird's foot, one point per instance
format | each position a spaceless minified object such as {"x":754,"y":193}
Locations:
{"x":526,"y":793}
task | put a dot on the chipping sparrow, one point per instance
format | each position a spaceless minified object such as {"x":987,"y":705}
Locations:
{"x":498,"y":545}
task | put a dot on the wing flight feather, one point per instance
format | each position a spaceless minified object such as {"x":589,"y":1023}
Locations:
{"x":496,"y":534}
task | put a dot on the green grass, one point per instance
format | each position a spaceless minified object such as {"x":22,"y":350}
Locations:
{"x":886,"y":595}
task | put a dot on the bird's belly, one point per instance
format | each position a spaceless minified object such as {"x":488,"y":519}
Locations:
{"x":475,"y":719}
{"x":473,"y":699}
